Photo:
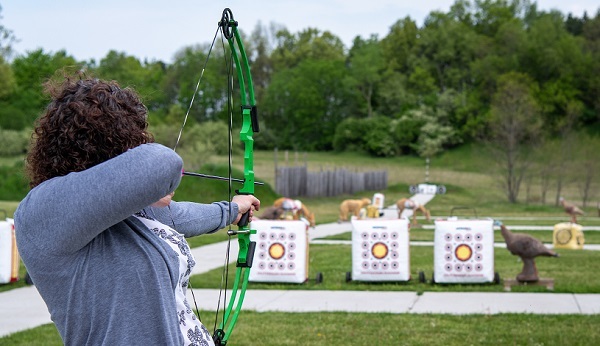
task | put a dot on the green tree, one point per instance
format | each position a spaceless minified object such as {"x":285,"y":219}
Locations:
{"x":193,"y":69}
{"x":349,"y":135}
{"x":260,"y":48}
{"x":394,"y":97}
{"x":588,"y":167}
{"x":490,"y":15}
{"x":146,"y":78}
{"x":555,"y":59}
{"x":448,"y":47}
{"x":425,"y":130}
{"x":398,"y":45}
{"x":514,"y":127}
{"x":370,"y":135}
{"x":422,"y":84}
{"x":365,"y":67}
{"x":575,"y":25}
{"x":31,"y":71}
{"x":14,"y":142}
{"x":309,"y":44}
{"x":7,"y":38}
{"x":306,"y":98}
{"x":591,"y":90}
{"x":304,"y":104}
{"x":7,"y":79}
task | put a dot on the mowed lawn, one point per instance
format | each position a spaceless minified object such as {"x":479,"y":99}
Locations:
{"x":470,"y":184}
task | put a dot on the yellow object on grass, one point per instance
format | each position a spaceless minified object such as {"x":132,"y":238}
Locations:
{"x":568,"y":235}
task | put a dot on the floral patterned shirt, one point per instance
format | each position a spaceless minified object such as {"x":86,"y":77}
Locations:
{"x":193,"y":331}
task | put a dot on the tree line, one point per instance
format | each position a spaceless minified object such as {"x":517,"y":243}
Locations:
{"x":498,"y":71}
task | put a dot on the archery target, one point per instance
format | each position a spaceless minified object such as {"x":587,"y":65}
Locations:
{"x":9,"y":255}
{"x":568,"y":235}
{"x":380,"y":250}
{"x":281,"y":252}
{"x":463,"y":251}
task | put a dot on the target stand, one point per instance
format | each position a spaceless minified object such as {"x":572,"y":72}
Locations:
{"x":380,"y":250}
{"x":464,"y":251}
{"x":281,"y":253}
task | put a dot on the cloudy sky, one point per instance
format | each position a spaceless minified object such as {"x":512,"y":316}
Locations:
{"x":156,"y":29}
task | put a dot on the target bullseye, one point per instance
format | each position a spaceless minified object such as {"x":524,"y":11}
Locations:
{"x":463,"y":252}
{"x":379,"y":250}
{"x":276,"y":251}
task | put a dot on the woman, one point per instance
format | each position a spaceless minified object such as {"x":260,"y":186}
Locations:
{"x":97,"y":230}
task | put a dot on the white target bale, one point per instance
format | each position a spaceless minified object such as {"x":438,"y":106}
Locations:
{"x":281,"y":253}
{"x":463,"y":250}
{"x":9,"y":256}
{"x":380,"y":250}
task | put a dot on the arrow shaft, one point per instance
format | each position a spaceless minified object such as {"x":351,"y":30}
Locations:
{"x":216,"y":177}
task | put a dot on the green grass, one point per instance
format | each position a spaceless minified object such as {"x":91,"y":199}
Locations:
{"x":420,"y":234}
{"x":466,"y":172}
{"x":326,"y":328}
{"x":12,"y":160}
{"x":574,"y":272}
{"x":9,"y":207}
{"x":470,"y":183}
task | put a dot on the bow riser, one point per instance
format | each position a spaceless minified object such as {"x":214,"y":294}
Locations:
{"x":249,"y":126}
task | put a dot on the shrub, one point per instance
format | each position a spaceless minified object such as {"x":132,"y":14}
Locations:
{"x":371,"y":135}
{"x":208,"y":138}
{"x":13,"y":184}
{"x":378,"y":137}
{"x":349,"y":135}
{"x":14,"y":142}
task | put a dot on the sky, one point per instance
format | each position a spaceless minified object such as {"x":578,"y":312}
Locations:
{"x":157,"y":29}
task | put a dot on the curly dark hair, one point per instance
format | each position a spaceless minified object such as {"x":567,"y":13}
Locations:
{"x":87,"y":122}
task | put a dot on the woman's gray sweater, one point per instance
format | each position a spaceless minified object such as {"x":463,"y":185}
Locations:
{"x":106,"y":278}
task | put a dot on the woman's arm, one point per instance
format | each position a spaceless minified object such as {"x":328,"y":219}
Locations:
{"x":65,"y":213}
{"x":192,"y":219}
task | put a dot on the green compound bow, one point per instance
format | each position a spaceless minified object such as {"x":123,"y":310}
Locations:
{"x":229,"y":28}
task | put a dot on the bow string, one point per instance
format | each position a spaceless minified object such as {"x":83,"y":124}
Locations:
{"x":229,"y":29}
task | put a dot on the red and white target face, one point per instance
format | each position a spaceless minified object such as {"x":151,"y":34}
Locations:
{"x":379,"y":249}
{"x":276,"y":250}
{"x":463,"y":251}
{"x":281,"y":253}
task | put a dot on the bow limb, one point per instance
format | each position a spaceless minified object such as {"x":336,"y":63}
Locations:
{"x":249,"y":127}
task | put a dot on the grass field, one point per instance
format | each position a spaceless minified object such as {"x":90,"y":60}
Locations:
{"x":574,"y":272}
{"x":470,"y":183}
{"x":332,"y":329}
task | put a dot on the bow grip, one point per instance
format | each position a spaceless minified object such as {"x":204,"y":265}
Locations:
{"x":244,"y":219}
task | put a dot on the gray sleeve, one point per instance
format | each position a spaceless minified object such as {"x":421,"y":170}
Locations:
{"x":192,"y":219}
{"x":65,"y":213}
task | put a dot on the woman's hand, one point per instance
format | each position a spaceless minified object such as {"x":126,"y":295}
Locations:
{"x":165,"y":201}
{"x":245,"y":203}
